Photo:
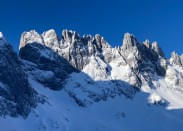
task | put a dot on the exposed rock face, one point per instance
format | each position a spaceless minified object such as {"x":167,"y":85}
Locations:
{"x":129,"y":41}
{"x":157,"y":49}
{"x":144,"y":58}
{"x":16,"y":95}
{"x":94,"y":56}
{"x":176,"y":59}
{"x":72,"y":47}
{"x":30,"y":37}
{"x":77,"y":50}
{"x":50,"y":38}
{"x":48,"y":61}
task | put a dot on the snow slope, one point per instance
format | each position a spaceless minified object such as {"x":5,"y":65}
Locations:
{"x":61,"y":113}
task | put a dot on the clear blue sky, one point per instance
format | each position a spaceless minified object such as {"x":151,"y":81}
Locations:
{"x":160,"y":20}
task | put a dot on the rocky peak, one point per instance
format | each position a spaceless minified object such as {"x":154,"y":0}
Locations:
{"x":143,"y":57}
{"x":157,"y":49}
{"x":50,"y":38}
{"x":70,"y":36}
{"x":101,"y":43}
{"x":129,"y":41}
{"x":147,"y":43}
{"x":30,"y":37}
{"x":175,"y":59}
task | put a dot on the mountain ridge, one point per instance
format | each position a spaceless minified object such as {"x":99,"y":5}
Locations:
{"x":84,"y":71}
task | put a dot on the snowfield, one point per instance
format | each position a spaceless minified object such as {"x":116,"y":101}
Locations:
{"x":61,"y":113}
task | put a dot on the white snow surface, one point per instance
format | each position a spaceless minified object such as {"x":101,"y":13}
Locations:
{"x":1,"y":35}
{"x":119,"y":113}
{"x":143,"y":113}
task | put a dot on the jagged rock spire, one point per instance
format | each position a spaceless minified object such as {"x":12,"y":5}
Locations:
{"x":157,"y":49}
{"x":147,"y":43}
{"x":129,"y":41}
{"x":176,"y":59}
{"x":30,"y":37}
{"x":69,"y":35}
{"x":50,"y":38}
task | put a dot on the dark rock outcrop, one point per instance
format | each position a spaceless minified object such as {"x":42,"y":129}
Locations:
{"x":16,"y":95}
{"x":55,"y":68}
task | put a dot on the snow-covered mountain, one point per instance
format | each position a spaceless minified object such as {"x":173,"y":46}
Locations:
{"x":81,"y":83}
